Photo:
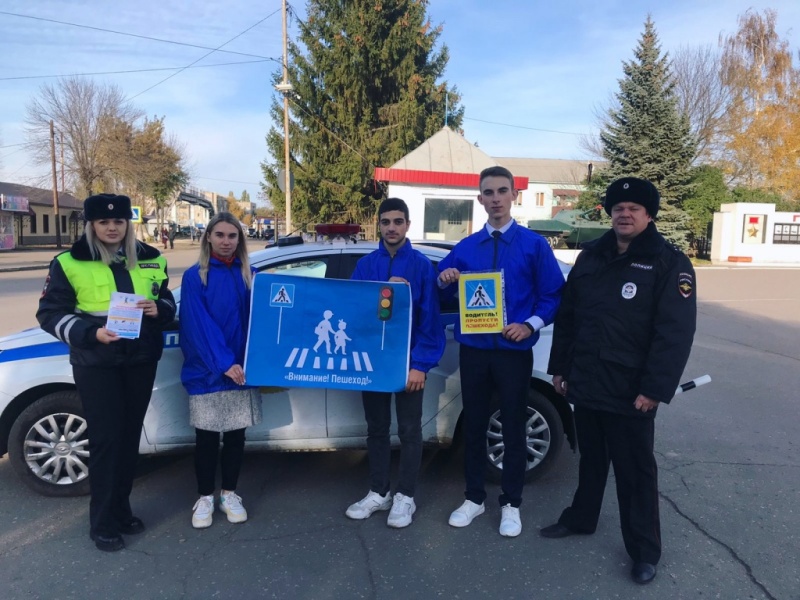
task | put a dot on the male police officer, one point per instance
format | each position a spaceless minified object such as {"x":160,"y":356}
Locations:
{"x":621,"y":340}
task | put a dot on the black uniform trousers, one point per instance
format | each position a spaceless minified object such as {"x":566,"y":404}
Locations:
{"x":115,"y":401}
{"x":506,"y":375}
{"x":627,"y":443}
{"x":378,"y":413}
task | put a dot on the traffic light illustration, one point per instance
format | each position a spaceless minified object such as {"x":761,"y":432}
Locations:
{"x":385,"y":303}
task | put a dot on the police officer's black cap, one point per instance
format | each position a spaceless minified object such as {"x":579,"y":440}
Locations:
{"x":633,"y":189}
{"x":107,"y":206}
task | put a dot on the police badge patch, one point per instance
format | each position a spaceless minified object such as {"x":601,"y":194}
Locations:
{"x":685,"y":284}
{"x":629,"y":290}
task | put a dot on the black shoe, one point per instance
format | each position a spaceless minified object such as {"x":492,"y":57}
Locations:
{"x":643,"y":572}
{"x":556,"y":530}
{"x":132,"y":526}
{"x":108,"y":543}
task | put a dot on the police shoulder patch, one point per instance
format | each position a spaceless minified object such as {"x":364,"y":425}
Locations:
{"x":685,"y":284}
{"x":149,"y":265}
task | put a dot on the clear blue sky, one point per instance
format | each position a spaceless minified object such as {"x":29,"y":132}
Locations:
{"x":525,"y":69}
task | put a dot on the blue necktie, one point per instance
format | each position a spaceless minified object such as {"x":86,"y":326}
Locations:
{"x":496,"y":235}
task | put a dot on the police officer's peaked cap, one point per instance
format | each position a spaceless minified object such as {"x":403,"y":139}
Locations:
{"x":633,"y":189}
{"x":107,"y":206}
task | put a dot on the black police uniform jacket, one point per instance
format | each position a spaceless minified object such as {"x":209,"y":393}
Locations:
{"x":58,"y":314}
{"x":626,"y":323}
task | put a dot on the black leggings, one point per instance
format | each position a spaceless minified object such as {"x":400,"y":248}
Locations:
{"x":205,"y":459}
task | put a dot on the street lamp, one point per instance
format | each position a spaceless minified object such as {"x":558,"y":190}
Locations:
{"x":286,"y":88}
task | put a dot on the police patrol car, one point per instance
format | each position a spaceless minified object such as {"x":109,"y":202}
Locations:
{"x":45,"y":435}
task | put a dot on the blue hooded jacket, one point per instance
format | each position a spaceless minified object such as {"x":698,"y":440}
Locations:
{"x":427,"y":331}
{"x":533,"y":280}
{"x":213,"y":326}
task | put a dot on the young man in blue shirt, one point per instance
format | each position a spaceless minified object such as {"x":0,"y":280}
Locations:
{"x":395,"y":260}
{"x":500,"y":363}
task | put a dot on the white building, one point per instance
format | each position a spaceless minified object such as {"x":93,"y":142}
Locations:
{"x":439,"y":182}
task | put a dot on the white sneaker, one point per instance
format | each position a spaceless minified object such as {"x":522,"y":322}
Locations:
{"x":231,"y":505}
{"x":402,"y":509}
{"x":203,"y":512}
{"x":463,"y":515}
{"x":510,"y":523}
{"x":369,"y":504}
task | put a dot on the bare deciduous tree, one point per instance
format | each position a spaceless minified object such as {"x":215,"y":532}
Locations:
{"x":84,"y":112}
{"x":701,"y":95}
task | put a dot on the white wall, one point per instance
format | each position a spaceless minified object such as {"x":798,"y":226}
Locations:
{"x":415,"y":196}
{"x":746,"y":232}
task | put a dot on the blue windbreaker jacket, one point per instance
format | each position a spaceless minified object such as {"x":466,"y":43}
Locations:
{"x":532,"y":278}
{"x":213,"y":326}
{"x":427,"y":331}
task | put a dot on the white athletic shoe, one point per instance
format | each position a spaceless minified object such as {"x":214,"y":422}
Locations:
{"x":231,"y":505}
{"x":203,"y":513}
{"x":369,"y":504}
{"x":403,"y":508}
{"x":463,"y":515}
{"x":510,"y":523}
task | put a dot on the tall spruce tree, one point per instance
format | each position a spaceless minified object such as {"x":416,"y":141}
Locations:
{"x":367,"y":90}
{"x":647,"y":136}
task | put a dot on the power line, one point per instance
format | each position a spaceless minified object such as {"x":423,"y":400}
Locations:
{"x":244,"y":62}
{"x":125,"y":33}
{"x":205,"y":55}
{"x":11,"y":146}
{"x":522,"y":127}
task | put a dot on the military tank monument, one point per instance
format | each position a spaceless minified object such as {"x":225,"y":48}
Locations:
{"x":571,"y":228}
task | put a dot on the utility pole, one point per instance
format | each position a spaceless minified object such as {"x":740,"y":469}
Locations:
{"x":61,"y":138}
{"x":286,"y":88}
{"x":55,"y":184}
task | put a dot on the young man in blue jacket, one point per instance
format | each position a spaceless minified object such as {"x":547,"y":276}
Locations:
{"x":396,"y":260}
{"x":500,"y":363}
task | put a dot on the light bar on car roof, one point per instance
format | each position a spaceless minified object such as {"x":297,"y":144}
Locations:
{"x":332,"y":229}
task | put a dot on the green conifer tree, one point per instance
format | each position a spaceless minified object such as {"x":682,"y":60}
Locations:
{"x":647,"y":136}
{"x":368,"y":89}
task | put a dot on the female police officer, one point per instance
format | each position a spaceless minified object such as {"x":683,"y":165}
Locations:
{"x":114,"y":376}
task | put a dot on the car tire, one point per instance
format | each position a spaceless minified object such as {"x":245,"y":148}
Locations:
{"x":48,"y":446}
{"x":545,"y":434}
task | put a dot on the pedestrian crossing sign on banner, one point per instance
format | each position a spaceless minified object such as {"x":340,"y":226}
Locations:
{"x":328,"y":333}
{"x":481,"y":302}
{"x":136,"y":214}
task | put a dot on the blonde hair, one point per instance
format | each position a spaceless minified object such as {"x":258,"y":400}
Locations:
{"x":240,"y":252}
{"x":100,"y":251}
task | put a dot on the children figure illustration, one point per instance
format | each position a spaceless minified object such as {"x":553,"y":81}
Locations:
{"x":324,"y":329}
{"x":340,"y":337}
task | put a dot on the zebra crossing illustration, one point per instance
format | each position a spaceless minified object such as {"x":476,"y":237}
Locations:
{"x":298,"y":358}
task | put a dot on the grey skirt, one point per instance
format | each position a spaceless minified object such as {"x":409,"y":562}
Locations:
{"x":226,"y":410}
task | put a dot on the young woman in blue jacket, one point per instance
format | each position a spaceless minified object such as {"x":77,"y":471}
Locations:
{"x":215,"y":311}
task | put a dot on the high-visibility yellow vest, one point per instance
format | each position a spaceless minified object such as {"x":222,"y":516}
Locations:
{"x":93,"y":280}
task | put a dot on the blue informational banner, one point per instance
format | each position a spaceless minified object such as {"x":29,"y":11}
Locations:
{"x":331,"y":333}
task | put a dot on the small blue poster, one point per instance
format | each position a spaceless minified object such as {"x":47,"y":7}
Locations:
{"x":331,"y":333}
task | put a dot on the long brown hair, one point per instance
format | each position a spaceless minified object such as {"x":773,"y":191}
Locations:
{"x":240,"y":252}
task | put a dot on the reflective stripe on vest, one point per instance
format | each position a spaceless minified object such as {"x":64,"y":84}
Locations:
{"x":93,"y":281}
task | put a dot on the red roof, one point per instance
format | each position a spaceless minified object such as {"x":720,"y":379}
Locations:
{"x":466,"y":180}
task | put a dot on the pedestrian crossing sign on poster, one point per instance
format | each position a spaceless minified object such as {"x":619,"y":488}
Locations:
{"x":481,"y":302}
{"x":329,"y":333}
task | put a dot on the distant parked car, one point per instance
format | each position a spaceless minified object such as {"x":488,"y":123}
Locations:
{"x":43,"y":429}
